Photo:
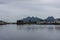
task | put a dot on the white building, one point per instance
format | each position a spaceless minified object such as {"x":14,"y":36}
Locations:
{"x":58,"y":20}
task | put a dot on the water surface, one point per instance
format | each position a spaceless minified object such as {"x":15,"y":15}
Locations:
{"x":29,"y":32}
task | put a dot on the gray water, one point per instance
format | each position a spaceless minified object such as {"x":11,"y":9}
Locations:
{"x":29,"y":32}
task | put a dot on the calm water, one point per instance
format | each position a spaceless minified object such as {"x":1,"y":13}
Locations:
{"x":29,"y":32}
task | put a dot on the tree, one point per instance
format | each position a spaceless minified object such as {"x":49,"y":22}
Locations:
{"x":20,"y":22}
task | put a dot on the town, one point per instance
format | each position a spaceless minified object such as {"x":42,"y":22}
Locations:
{"x":35,"y":20}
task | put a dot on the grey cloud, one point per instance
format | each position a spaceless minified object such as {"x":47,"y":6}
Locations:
{"x":16,"y":9}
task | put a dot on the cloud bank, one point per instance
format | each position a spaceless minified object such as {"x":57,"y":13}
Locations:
{"x":11,"y":10}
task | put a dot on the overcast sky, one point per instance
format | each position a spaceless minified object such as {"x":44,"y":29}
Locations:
{"x":11,"y":10}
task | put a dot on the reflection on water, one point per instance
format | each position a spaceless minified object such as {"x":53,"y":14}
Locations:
{"x":38,"y":27}
{"x":28,"y":27}
{"x":30,"y":32}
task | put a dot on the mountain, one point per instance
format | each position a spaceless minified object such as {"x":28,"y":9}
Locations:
{"x":32,"y":19}
{"x":51,"y":18}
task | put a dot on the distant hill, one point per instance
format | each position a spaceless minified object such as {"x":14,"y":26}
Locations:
{"x":32,"y":19}
{"x":50,"y":19}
